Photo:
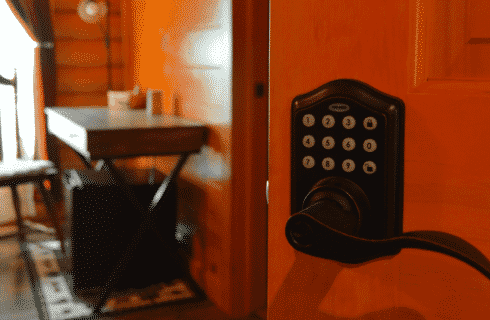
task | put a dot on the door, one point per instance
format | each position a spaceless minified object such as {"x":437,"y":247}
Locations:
{"x":432,"y":54}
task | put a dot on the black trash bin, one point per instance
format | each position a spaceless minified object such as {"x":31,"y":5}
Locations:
{"x":100,"y":222}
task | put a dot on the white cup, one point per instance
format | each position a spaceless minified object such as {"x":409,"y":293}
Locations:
{"x":118,"y":100}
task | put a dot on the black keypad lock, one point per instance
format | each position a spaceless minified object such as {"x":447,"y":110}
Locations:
{"x":347,"y":155}
{"x":350,"y":130}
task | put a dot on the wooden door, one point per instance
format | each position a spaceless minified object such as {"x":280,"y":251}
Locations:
{"x":433,"y":54}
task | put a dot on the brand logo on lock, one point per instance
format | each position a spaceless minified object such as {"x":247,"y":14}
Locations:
{"x":338,"y":107}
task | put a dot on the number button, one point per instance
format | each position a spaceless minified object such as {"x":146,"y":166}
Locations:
{"x":370,"y":123}
{"x":328,"y":164}
{"x":308,"y":120}
{"x":349,"y":122}
{"x":369,"y":145}
{"x":328,"y":143}
{"x":348,"y":144}
{"x":308,"y":162}
{"x":348,"y":165}
{"x":328,"y":121}
{"x":308,"y":141}
{"x":369,"y":167}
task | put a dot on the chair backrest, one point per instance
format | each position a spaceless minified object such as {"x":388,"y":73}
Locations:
{"x":13,"y":83}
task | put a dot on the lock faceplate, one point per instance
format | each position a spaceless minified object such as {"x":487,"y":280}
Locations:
{"x":350,"y":130}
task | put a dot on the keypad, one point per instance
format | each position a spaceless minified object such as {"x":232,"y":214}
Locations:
{"x":348,"y":144}
{"x":309,"y":141}
{"x":370,"y":123}
{"x":328,"y":121}
{"x":369,"y":145}
{"x":347,"y":138}
{"x":308,"y":120}
{"x":328,"y":163}
{"x":328,"y":143}
{"x":349,"y":122}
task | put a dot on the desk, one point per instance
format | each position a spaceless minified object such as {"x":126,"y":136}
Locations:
{"x":98,"y":133}
{"x":102,"y":134}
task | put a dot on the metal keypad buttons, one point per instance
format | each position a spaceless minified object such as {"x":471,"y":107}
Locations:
{"x":369,"y":167}
{"x":348,"y":165}
{"x":328,"y":143}
{"x":328,"y":121}
{"x":348,"y":144}
{"x":369,"y":145}
{"x":328,"y":164}
{"x":349,"y":122}
{"x":308,"y":120}
{"x":370,"y":123}
{"x":308,"y":141}
{"x":308,"y":162}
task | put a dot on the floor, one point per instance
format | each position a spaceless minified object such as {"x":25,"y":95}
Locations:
{"x":16,"y":298}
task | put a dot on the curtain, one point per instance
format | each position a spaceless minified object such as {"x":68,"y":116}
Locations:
{"x":25,"y":54}
{"x":35,"y":17}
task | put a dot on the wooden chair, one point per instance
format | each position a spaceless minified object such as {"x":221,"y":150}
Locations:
{"x":21,"y":171}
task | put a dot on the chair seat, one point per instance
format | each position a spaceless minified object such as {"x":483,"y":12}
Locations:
{"x":23,"y":171}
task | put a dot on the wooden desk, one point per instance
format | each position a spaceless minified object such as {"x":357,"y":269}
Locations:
{"x":98,"y":133}
{"x":102,"y":134}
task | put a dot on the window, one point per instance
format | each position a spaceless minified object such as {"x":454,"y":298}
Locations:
{"x":17,"y":55}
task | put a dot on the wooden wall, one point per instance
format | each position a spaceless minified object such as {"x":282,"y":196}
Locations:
{"x":185,"y":49}
{"x":81,"y":55}
{"x":165,"y":34}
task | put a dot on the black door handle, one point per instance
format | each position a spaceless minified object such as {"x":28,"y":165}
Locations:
{"x":328,"y":228}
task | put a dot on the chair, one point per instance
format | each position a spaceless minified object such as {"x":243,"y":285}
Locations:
{"x":22,"y":171}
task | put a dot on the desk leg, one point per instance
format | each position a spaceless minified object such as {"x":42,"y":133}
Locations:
{"x":146,"y":225}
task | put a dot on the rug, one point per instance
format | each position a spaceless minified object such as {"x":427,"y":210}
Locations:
{"x":61,"y":303}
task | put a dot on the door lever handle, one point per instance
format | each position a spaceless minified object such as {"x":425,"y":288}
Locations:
{"x":328,"y":228}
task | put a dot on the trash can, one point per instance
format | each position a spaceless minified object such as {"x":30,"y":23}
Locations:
{"x":101,"y":221}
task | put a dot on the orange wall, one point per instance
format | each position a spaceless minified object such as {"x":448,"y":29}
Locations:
{"x":389,"y":45}
{"x":161,"y":30}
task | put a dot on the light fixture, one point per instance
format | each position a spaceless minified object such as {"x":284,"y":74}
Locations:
{"x":91,"y":11}
{"x":94,"y":12}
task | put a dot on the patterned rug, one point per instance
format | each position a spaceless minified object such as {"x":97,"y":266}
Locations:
{"x":61,"y":303}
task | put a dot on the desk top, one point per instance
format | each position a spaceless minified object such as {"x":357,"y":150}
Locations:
{"x":99,"y":133}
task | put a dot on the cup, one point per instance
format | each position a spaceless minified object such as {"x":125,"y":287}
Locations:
{"x":154,"y":102}
{"x":118,"y":100}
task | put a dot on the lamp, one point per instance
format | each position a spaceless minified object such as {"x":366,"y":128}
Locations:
{"x":94,"y":12}
{"x":91,"y":11}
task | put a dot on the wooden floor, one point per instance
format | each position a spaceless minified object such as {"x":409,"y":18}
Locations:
{"x":17,"y":301}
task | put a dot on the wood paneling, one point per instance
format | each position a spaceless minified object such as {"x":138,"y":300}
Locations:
{"x":82,"y":80}
{"x":86,"y":53}
{"x":69,"y":25}
{"x":87,"y":80}
{"x":81,"y":55}
{"x":97,"y":98}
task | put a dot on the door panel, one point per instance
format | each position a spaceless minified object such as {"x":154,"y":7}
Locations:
{"x":385,"y":44}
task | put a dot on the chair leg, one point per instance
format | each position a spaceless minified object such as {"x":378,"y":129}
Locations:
{"x":49,"y":203}
{"x":20,"y":224}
